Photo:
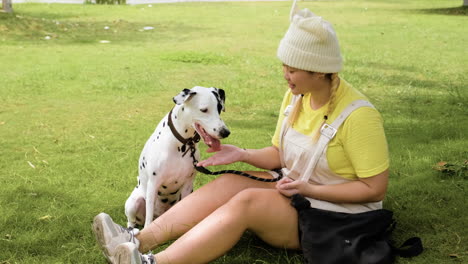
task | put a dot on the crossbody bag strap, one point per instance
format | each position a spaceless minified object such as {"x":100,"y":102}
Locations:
{"x":327,"y":132}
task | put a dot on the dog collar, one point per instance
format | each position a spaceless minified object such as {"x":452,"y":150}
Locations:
{"x":185,"y":141}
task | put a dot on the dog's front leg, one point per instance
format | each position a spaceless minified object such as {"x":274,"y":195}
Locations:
{"x":150,"y":199}
{"x":134,"y":206}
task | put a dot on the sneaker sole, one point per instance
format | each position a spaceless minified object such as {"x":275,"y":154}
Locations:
{"x":126,"y":255}
{"x":98,"y":230}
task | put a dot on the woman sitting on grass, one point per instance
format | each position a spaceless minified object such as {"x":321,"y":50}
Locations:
{"x":351,"y":176}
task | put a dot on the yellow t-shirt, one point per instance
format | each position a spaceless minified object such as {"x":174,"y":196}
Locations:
{"x":359,"y":148}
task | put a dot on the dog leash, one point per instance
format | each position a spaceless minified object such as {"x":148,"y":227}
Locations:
{"x":191,"y":142}
{"x":241,"y":173}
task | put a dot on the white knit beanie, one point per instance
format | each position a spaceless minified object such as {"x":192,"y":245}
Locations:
{"x":310,"y":44}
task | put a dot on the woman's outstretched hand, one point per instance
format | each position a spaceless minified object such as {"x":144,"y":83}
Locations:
{"x":226,"y":155}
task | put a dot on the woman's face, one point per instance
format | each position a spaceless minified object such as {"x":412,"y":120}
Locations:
{"x":300,"y":81}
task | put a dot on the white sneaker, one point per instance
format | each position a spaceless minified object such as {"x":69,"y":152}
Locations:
{"x":127,"y":253}
{"x":109,"y":235}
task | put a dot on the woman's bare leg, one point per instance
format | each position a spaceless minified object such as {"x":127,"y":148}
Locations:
{"x":195,"y":207}
{"x":265,"y":212}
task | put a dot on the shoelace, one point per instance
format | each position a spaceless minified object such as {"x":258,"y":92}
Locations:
{"x":148,"y":259}
{"x":130,"y":230}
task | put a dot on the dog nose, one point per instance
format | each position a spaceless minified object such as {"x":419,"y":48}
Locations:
{"x":224,"y":133}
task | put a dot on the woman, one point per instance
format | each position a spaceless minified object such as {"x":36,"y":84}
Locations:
{"x":351,"y":176}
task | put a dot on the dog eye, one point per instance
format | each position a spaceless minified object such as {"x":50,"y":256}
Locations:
{"x":204,"y":110}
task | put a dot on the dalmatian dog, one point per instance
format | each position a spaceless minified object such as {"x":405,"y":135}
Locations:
{"x":166,"y":164}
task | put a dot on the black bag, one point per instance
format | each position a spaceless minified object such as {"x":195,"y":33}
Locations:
{"x":329,"y":237}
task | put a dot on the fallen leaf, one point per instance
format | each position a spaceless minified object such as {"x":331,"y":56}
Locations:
{"x":32,"y":165}
{"x":45,"y":217}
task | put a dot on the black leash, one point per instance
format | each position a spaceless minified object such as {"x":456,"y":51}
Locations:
{"x":191,"y":143}
{"x":241,"y":173}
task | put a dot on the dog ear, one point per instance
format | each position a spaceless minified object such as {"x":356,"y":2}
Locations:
{"x":183,"y":96}
{"x":221,"y":97}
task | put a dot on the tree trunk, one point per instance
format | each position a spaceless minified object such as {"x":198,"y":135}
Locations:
{"x":7,"y":6}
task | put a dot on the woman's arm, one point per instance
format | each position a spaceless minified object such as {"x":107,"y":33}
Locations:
{"x":363,"y":190}
{"x":265,"y":158}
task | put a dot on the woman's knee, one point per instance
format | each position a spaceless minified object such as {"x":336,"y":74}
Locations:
{"x":249,"y":199}
{"x":268,"y":214}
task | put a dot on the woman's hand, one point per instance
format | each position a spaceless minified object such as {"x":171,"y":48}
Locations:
{"x":289,"y":187}
{"x":226,"y":155}
{"x":363,"y":190}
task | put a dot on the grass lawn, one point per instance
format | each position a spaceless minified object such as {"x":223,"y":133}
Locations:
{"x":75,"y":112}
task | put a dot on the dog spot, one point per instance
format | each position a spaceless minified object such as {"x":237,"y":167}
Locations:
{"x":172,"y":193}
{"x":175,"y":117}
{"x":165,"y":200}
{"x":159,"y":132}
{"x":183,"y":109}
{"x":139,"y":183}
{"x":157,"y":137}
{"x":184,"y":148}
{"x":159,"y":193}
{"x":176,"y":182}
{"x":141,"y":167}
{"x":178,"y":149}
{"x":214,"y":129}
{"x":164,"y":186}
{"x":186,"y":130}
{"x":143,"y":164}
{"x":173,"y":202}
{"x":164,"y":123}
{"x":154,"y":173}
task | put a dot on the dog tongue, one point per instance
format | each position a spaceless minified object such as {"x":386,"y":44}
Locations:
{"x":213,"y":143}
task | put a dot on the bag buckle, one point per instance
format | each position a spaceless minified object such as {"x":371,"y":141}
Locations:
{"x":328,"y":131}
{"x":287,"y":110}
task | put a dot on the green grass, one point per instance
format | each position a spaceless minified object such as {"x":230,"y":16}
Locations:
{"x":75,"y":113}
